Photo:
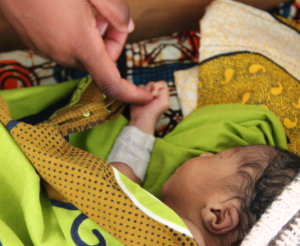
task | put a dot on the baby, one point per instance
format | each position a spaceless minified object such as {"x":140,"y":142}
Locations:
{"x":218,"y":196}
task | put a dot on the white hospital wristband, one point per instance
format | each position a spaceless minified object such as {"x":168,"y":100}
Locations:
{"x":133,"y":147}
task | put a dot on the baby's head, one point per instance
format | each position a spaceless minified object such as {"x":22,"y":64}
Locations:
{"x":224,"y":194}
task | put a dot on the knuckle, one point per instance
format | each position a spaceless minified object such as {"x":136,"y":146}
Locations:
{"x":124,"y":11}
{"x":106,"y":88}
{"x":119,"y":11}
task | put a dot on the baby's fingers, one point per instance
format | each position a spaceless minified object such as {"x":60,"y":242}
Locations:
{"x":157,"y":87}
{"x":163,"y":89}
{"x":153,"y":88}
{"x":150,"y":87}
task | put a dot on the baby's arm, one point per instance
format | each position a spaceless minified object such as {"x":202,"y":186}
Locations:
{"x":131,"y":151}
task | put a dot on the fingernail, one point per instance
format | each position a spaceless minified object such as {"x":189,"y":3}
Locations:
{"x":130,"y":25}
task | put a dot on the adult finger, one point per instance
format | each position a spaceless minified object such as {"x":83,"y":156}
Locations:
{"x":114,"y":42}
{"x":113,"y":39}
{"x":102,"y":24}
{"x":116,"y":12}
{"x":105,"y":73}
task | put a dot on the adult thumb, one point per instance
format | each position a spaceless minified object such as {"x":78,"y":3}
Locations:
{"x":123,"y":90}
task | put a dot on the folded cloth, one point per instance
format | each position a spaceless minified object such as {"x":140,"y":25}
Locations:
{"x":91,"y":201}
{"x":71,"y":173}
{"x":245,"y":29}
{"x":251,"y":57}
{"x":251,"y":60}
{"x":248,"y":29}
{"x":186,"y":82}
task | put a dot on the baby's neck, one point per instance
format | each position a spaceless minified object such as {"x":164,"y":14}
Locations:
{"x":195,"y":232}
{"x":202,"y":236}
{"x":194,"y":228}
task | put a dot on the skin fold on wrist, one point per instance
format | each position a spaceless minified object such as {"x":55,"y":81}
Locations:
{"x":147,"y":126}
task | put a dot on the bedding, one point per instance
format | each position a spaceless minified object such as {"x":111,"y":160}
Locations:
{"x":83,"y":188}
{"x":79,"y":184}
{"x":237,"y":65}
{"x":255,"y":60}
{"x":59,"y":221}
{"x":186,"y":82}
{"x":249,"y":69}
{"x":154,"y":59}
{"x":150,"y":60}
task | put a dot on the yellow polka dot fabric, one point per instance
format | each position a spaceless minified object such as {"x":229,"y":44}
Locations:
{"x":88,"y":107}
{"x":4,"y":112}
{"x":250,"y":78}
{"x":89,"y":183}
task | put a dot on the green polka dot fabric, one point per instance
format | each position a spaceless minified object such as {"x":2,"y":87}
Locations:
{"x":103,"y":194}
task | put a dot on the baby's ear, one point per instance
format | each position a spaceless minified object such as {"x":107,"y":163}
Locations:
{"x":221,"y":218}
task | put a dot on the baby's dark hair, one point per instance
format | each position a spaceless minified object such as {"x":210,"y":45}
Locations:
{"x":257,"y":194}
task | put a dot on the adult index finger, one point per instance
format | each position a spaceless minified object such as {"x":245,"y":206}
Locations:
{"x":103,"y":70}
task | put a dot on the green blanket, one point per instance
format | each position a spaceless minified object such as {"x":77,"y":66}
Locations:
{"x":208,"y":129}
{"x":28,"y":217}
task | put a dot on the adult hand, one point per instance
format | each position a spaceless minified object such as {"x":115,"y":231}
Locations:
{"x":70,"y":33}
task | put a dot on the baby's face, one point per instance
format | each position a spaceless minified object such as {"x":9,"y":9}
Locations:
{"x":206,"y":174}
{"x":202,"y":174}
{"x":212,"y":181}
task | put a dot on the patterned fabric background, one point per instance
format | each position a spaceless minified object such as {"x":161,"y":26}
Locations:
{"x":289,"y":10}
{"x":25,"y":69}
{"x":150,"y":60}
{"x":157,"y":59}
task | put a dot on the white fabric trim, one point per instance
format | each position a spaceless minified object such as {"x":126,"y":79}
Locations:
{"x":133,"y":147}
{"x":147,"y":211}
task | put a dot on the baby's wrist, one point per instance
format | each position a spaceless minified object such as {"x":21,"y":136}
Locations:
{"x":143,"y":124}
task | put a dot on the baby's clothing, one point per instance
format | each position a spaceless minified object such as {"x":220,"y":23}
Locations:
{"x":133,"y":147}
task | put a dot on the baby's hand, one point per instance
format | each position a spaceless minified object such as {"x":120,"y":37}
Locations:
{"x":145,"y":116}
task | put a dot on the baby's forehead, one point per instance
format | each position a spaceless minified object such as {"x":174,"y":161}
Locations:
{"x":250,"y":162}
{"x":255,"y":154}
